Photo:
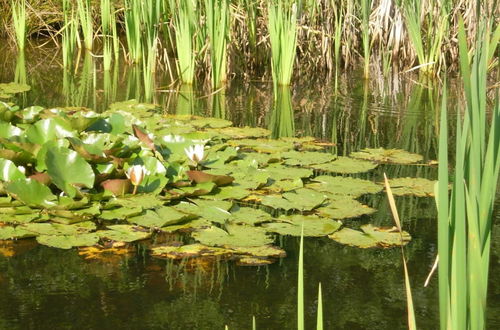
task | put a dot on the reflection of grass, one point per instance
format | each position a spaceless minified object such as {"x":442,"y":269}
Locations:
{"x":282,"y":119}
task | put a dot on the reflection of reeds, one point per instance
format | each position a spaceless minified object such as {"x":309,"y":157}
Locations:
{"x":282,"y":122}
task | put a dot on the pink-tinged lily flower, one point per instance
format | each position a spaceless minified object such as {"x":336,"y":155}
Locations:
{"x":195,"y":153}
{"x":136,"y":174}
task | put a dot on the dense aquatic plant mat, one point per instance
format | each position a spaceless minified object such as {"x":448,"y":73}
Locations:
{"x":74,"y":178}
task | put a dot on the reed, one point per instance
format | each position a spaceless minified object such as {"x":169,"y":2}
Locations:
{"x":84,"y":10}
{"x":282,"y":27}
{"x":217,"y":25}
{"x":465,"y":216}
{"x":365,"y":35}
{"x":132,"y":19}
{"x":69,"y":33}
{"x":106,"y":26}
{"x":184,"y":19}
{"x":19,"y":22}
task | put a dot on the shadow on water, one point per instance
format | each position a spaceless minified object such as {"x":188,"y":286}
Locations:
{"x":46,"y":288}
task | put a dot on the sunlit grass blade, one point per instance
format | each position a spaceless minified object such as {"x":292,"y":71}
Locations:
{"x":84,"y":10}
{"x":412,"y":324}
{"x":217,"y":24}
{"x":365,"y":35}
{"x":319,"y":319}
{"x":300,"y":285}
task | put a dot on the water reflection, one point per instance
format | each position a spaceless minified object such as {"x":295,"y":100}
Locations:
{"x":281,"y":122}
{"x":218,"y":104}
{"x":187,"y":103}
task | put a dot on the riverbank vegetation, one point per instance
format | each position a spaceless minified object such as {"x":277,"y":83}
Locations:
{"x":219,"y":39}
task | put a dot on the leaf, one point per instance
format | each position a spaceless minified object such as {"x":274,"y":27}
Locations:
{"x":68,"y":241}
{"x":202,"y":177}
{"x":393,"y":156}
{"x":371,"y":237}
{"x":306,"y":158}
{"x":236,"y":235}
{"x":124,"y":233}
{"x":301,"y":199}
{"x":143,"y":136}
{"x":31,"y":192}
{"x":313,"y":225}
{"x":338,"y":185}
{"x":67,"y":169}
{"x":346,"y":165}
{"x":9,"y":171}
{"x":59,"y":229}
{"x":9,"y":232}
{"x":419,"y":187}
{"x":160,"y":217}
{"x":48,"y":129}
{"x":118,"y":187}
{"x":342,"y":208}
{"x":188,"y":251}
{"x":249,"y":216}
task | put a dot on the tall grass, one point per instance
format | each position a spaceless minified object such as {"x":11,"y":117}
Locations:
{"x":69,"y":33}
{"x":217,"y":24}
{"x":19,"y":21}
{"x":107,"y":19}
{"x":426,"y":43}
{"x":184,"y":19}
{"x":365,"y":35}
{"x":282,"y":27}
{"x":465,"y":216}
{"x":84,"y":10}
{"x":132,"y":18}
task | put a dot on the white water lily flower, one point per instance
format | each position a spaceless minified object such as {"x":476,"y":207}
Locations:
{"x":136,"y":174}
{"x":173,"y":138}
{"x":195,"y":153}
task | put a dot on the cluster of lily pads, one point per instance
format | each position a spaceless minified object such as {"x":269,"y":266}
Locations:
{"x":71,"y":177}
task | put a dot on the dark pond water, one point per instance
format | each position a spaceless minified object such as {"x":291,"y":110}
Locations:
{"x":45,"y":288}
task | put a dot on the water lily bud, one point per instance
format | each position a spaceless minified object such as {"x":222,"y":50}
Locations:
{"x":22,"y":169}
{"x":136,"y":174}
{"x":196,"y":153}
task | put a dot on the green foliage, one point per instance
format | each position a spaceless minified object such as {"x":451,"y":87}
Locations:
{"x":19,"y":21}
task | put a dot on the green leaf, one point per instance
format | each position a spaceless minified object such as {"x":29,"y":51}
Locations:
{"x":346,"y":165}
{"x":420,"y":187}
{"x":9,"y":171}
{"x":314,"y":226}
{"x":48,"y":129}
{"x":9,"y":232}
{"x":31,"y":192}
{"x":393,"y":156}
{"x":67,"y":169}
{"x":371,"y":237}
{"x":234,"y":235}
{"x":342,"y":208}
{"x":300,"y":199}
{"x":338,"y":185}
{"x":124,"y":233}
{"x":306,"y":158}
{"x":249,"y":216}
{"x":68,"y":241}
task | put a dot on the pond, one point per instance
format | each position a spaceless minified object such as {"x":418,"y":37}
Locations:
{"x":49,"y":288}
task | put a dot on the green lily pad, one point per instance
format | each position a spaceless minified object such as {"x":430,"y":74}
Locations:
{"x":53,"y":229}
{"x":244,"y":132}
{"x":124,"y":233}
{"x":188,"y":251}
{"x":9,"y":171}
{"x":31,"y":192}
{"x":279,"y":172}
{"x":346,"y":165}
{"x":189,"y":225}
{"x":120,"y":213}
{"x":253,"y":261}
{"x":300,"y":199}
{"x":49,"y":129}
{"x":343,"y":208}
{"x":202,"y":122}
{"x":249,"y":216}
{"x":234,"y":235}
{"x":262,"y":145}
{"x":19,"y":218}
{"x":160,"y":217}
{"x":68,"y":241}
{"x":306,"y":158}
{"x":235,"y":192}
{"x":338,"y":185}
{"x":314,"y":226}
{"x":371,"y":236}
{"x":68,"y":169}
{"x":419,"y":187}
{"x":393,"y":156}
{"x":9,"y":232}
{"x":13,"y":88}
{"x":264,"y":251}
{"x":144,"y":201}
{"x":251,"y":178}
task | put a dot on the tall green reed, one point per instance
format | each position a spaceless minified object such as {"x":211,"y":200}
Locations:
{"x":282,"y":27}
{"x":365,"y":35}
{"x":282,"y":123}
{"x":69,"y":33}
{"x":107,"y":12}
{"x":217,"y":24}
{"x":184,"y":16}
{"x":19,"y":22}
{"x":84,"y":9}
{"x":132,"y":19}
{"x":465,"y":216}
{"x":426,"y":43}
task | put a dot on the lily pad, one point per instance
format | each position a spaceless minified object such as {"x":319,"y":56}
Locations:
{"x":68,"y":241}
{"x":124,"y":233}
{"x":371,"y":236}
{"x":346,"y":165}
{"x":306,"y":158}
{"x":160,"y":217}
{"x":68,"y":169}
{"x":300,"y":199}
{"x":9,"y":232}
{"x":13,"y":88}
{"x":244,"y":132}
{"x":188,"y":251}
{"x":343,"y":208}
{"x":393,"y":156}
{"x":262,"y":145}
{"x":234,"y":235}
{"x":54,"y":229}
{"x":249,"y":216}
{"x":31,"y":192}
{"x":9,"y":171}
{"x":314,"y":226}
{"x":253,"y":261}
{"x":419,"y":187}
{"x":338,"y":185}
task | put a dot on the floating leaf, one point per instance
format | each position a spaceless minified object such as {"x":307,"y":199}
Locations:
{"x":235,"y":192}
{"x":300,"y":199}
{"x":67,"y":169}
{"x":338,"y":185}
{"x":59,"y":229}
{"x":202,"y":177}
{"x":249,"y":216}
{"x":342,"y":208}
{"x":346,"y":165}
{"x":13,"y":88}
{"x":244,"y":132}
{"x":144,"y":201}
{"x":412,"y":186}
{"x":262,"y":145}
{"x":313,"y":225}
{"x":8,"y":232}
{"x":190,"y":225}
{"x":160,"y":217}
{"x":264,"y":251}
{"x":124,"y":233}
{"x":68,"y":241}
{"x":371,"y":237}
{"x":118,"y":187}
{"x":9,"y":171}
{"x":120,"y":213}
{"x":306,"y":158}
{"x":253,"y":261}
{"x":236,"y":235}
{"x":48,"y":129}
{"x":393,"y":156}
{"x":31,"y":192}
{"x":188,"y":251}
